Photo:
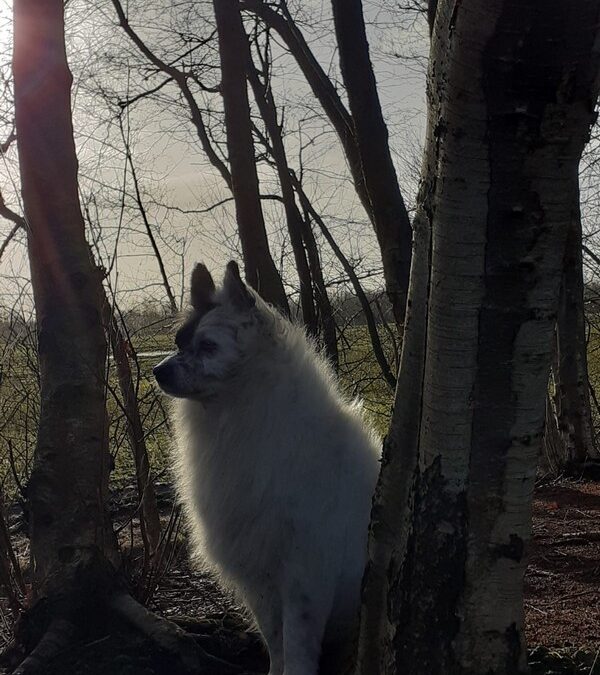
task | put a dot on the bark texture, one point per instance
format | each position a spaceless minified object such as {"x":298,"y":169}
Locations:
{"x":511,"y":94}
{"x":68,"y":483}
{"x":260,"y":269}
{"x":392,"y":225}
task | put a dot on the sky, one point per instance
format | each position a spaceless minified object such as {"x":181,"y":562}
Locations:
{"x":171,"y":167}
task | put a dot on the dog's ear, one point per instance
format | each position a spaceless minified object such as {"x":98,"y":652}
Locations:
{"x":202,"y":289}
{"x":236,"y":289}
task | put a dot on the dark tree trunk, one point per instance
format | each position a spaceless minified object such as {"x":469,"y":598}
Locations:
{"x":363,"y":138}
{"x":325,"y":316}
{"x":512,"y":90}
{"x":321,"y":86}
{"x":390,"y":514}
{"x":73,"y":547}
{"x":261,"y":272}
{"x":264,"y":100}
{"x":392,"y":225}
{"x":431,"y":11}
{"x":316,"y":308}
{"x":69,"y":480}
{"x":354,"y":280}
{"x":572,"y":389}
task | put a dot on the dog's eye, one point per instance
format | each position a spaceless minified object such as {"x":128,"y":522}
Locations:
{"x":206,"y":346}
{"x":184,"y":335}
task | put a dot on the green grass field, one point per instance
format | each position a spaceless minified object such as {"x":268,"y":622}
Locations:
{"x":19,"y":402}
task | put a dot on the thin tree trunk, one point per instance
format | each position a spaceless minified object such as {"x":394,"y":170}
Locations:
{"x":431,"y":11}
{"x":67,"y":490}
{"x":325,"y":310}
{"x":300,"y":226}
{"x":572,"y":389}
{"x":552,"y":457}
{"x":320,"y":84}
{"x":392,"y":225}
{"x":264,"y":100}
{"x":512,"y":88}
{"x":363,"y":138}
{"x":149,"y":516}
{"x":260,"y":269}
{"x":354,"y":281}
{"x":147,"y":226}
{"x":388,"y":530}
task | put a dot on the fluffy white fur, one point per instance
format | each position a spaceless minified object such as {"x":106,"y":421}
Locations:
{"x":276,"y":470}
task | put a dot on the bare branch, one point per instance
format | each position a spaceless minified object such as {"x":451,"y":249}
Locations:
{"x":8,"y":239}
{"x":181,"y":80}
{"x":125,"y":103}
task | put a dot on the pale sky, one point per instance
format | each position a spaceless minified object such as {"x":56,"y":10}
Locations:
{"x":172,"y":167}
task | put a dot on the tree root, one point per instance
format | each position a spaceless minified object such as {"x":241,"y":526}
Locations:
{"x":171,"y":639}
{"x":92,"y":602}
{"x":66,"y":631}
{"x":59,"y":635}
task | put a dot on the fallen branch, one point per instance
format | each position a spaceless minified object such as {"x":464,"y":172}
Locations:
{"x":571,"y":596}
{"x":570,"y":538}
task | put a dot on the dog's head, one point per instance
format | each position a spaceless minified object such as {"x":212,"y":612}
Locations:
{"x":219,"y":335}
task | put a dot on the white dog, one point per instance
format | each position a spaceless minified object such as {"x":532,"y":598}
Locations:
{"x":275,"y":467}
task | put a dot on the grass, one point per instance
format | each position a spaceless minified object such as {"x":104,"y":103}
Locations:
{"x":19,"y":401}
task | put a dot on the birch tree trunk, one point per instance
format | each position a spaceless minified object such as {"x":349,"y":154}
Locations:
{"x":511,"y":95}
{"x":68,"y":485}
{"x":260,"y":269}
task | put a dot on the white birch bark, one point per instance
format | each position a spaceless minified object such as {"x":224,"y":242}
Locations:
{"x":512,"y":88}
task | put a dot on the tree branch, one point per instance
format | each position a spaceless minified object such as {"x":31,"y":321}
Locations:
{"x":180,"y":79}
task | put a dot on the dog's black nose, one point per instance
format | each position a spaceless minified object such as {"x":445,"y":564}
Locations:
{"x":163,"y":372}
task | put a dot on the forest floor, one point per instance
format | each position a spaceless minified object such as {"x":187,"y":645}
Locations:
{"x":562,"y":599}
{"x":562,"y":586}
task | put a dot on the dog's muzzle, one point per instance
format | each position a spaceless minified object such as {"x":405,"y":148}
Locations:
{"x":164,"y":373}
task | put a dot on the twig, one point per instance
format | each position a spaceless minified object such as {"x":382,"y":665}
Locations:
{"x":571,"y":596}
{"x":9,"y":237}
{"x":577,"y":538}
